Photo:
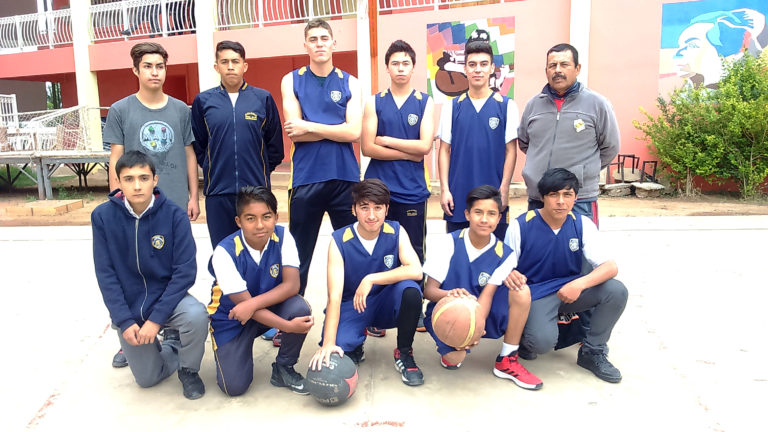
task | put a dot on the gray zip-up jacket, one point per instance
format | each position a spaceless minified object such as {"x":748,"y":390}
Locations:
{"x":582,"y":138}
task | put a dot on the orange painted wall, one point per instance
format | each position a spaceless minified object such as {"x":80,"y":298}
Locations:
{"x":34,"y":63}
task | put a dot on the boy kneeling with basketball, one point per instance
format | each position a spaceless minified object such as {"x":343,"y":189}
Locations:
{"x":372,"y":282}
{"x":256,"y":289}
{"x":472,"y":262}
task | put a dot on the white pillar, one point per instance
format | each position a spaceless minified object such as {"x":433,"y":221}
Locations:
{"x":87,"y":84}
{"x":363,"y":63}
{"x":205,"y":15}
{"x":581,"y":12}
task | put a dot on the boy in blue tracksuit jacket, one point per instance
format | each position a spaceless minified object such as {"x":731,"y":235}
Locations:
{"x":144,"y":256}
{"x":238,"y":138}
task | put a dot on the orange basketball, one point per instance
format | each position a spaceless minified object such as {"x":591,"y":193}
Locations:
{"x":456,"y":321}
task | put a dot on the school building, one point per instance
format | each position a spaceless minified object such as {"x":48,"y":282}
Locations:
{"x":84,"y":46}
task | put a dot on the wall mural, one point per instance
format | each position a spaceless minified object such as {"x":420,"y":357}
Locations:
{"x":696,"y":35}
{"x":445,"y":55}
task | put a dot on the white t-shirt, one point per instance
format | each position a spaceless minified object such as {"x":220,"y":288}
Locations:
{"x":594,"y":250}
{"x":233,"y":97}
{"x":439,"y":258}
{"x":446,"y":119}
{"x":367,"y":244}
{"x":229,"y":279}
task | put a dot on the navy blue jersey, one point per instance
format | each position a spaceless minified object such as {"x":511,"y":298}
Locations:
{"x":549,"y":260}
{"x":259,"y":278}
{"x":358,"y":263}
{"x":319,"y":161}
{"x":473,"y":276}
{"x":478,"y":148}
{"x":408,"y":181}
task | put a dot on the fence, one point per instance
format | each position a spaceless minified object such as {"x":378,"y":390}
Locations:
{"x":63,"y":129}
{"x":34,"y":31}
{"x":235,"y":13}
{"x":118,"y":20}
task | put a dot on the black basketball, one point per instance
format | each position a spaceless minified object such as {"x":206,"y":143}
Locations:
{"x":333,"y":384}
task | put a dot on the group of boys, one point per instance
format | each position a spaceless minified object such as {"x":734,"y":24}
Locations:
{"x":522,"y":277}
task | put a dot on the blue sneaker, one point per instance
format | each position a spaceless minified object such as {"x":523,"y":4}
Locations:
{"x":269,"y":334}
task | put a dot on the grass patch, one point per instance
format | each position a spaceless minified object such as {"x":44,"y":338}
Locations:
{"x":21,"y":181}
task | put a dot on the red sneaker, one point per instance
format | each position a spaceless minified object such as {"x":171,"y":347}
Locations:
{"x":508,"y":367}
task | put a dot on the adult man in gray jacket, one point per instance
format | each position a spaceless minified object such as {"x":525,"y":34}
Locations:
{"x":567,"y":126}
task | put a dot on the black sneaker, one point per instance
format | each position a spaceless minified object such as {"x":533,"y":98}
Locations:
{"x":192,"y":384}
{"x":597,"y":363}
{"x":125,"y":32}
{"x":286,"y":376}
{"x":357,"y":355}
{"x":119,"y":360}
{"x":169,"y":335}
{"x":375,"y":332}
{"x":524,"y":354}
{"x":406,"y":365}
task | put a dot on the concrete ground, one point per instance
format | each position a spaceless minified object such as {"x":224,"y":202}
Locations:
{"x":691,"y":346}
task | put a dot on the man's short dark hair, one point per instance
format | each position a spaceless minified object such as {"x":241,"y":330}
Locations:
{"x":565,"y":47}
{"x":141,"y":49}
{"x":555,"y":179}
{"x":370,"y":190}
{"x":230,"y":45}
{"x":317,"y":23}
{"x":400,"y":46}
{"x":134,"y":158}
{"x":478,"y":47}
{"x":483,"y":192}
{"x":251,"y":194}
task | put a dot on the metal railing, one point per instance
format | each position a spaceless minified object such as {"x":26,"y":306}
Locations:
{"x":396,"y":5}
{"x":34,"y":31}
{"x":119,"y":20}
{"x":246,"y":13}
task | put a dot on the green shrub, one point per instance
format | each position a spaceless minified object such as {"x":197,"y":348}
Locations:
{"x":716,"y":134}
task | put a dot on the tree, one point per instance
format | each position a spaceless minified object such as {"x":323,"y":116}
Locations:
{"x":716,"y":134}
{"x":742,"y":99}
{"x":681,"y":136}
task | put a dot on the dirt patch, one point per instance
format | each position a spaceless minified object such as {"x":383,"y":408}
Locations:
{"x":704,"y":205}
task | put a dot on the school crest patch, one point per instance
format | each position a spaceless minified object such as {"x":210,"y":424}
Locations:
{"x":274,"y":270}
{"x":158,"y":241}
{"x":389,"y":260}
{"x":482,"y":280}
{"x":573,"y":244}
{"x":579,"y":125}
{"x":493,"y":122}
{"x":335,"y":95}
{"x":413,"y":119}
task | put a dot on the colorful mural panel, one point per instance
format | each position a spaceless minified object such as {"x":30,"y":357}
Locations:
{"x":445,"y":55}
{"x":697,"y":35}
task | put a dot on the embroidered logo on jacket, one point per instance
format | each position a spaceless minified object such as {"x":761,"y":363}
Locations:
{"x":493,"y":122}
{"x":251,"y":116}
{"x":413,"y":119}
{"x":483,"y":279}
{"x":579,"y":125}
{"x":274,"y":270}
{"x":389,"y":260}
{"x":335,"y":95}
{"x":158,"y":241}
{"x":573,"y":244}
